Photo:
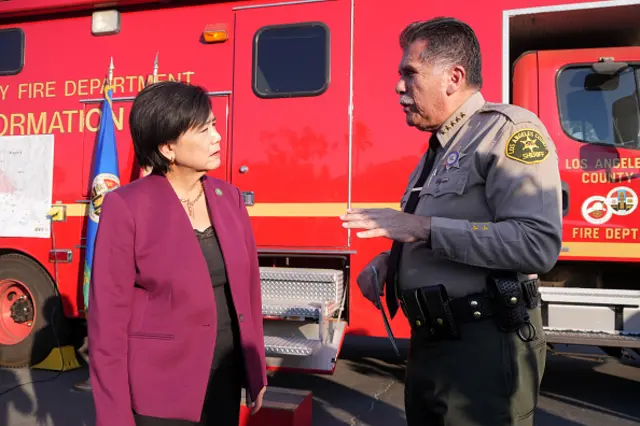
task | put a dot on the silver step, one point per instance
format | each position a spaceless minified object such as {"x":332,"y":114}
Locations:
{"x":295,"y":346}
{"x":301,"y":292}
{"x":596,"y":338}
{"x":298,"y":309}
{"x":590,"y":296}
{"x":591,"y":315}
{"x":298,"y":346}
{"x":311,"y":297}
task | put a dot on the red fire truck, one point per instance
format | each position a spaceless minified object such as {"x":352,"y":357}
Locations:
{"x":312,"y":125}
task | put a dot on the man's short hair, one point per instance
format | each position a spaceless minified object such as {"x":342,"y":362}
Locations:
{"x":161,"y":113}
{"x":449,"y":42}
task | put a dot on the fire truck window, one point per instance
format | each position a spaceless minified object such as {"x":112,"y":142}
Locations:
{"x":291,"y":60}
{"x":11,"y":51}
{"x":600,"y":108}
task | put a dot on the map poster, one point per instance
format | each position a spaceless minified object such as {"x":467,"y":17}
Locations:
{"x":26,"y":185}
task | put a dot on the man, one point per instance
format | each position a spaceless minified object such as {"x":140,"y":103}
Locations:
{"x":486,"y":218}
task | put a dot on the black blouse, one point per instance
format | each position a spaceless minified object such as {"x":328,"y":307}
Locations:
{"x":227,"y":344}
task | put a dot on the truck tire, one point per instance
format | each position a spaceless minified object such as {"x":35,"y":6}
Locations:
{"x":31,"y":318}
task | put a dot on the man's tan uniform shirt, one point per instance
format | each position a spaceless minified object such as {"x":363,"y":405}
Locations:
{"x":494,"y":195}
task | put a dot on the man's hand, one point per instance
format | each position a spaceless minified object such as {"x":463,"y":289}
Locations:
{"x":374,"y":273}
{"x":257,"y":404}
{"x":389,"y":223}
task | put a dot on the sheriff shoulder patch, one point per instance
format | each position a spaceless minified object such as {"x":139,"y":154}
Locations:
{"x":527,"y":146}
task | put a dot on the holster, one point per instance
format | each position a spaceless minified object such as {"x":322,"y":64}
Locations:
{"x":511,"y":299}
{"x":429,"y":312}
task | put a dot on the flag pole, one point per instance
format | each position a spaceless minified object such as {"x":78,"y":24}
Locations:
{"x":155,"y":68}
{"x":144,"y":171}
{"x":105,"y":177}
{"x":111,"y":68}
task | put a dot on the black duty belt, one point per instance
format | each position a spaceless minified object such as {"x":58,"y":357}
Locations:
{"x":471,"y":308}
{"x":429,"y":310}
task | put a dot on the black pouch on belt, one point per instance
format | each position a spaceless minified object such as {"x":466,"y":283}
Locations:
{"x":428,"y":310}
{"x":508,"y":299}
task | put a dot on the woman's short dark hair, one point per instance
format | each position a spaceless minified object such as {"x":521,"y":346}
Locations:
{"x":160,"y":114}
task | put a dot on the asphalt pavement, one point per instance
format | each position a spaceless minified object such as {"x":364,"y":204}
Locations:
{"x":366,"y":389}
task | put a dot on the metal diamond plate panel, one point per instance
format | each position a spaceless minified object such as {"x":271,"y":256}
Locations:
{"x":294,"y":308}
{"x":275,"y":345}
{"x":304,"y":285}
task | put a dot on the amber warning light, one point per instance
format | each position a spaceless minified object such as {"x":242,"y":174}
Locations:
{"x":214,"y":34}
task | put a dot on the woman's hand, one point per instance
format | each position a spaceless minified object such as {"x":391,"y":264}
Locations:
{"x":255,"y":406}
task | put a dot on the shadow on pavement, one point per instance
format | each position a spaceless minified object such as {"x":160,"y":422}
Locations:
{"x":351,"y":394}
{"x":544,"y":418}
{"x":606,"y":387}
{"x":13,"y":398}
{"x":32,"y":397}
{"x":366,"y":386}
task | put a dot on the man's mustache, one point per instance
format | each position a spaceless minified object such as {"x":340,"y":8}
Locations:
{"x":406,"y":101}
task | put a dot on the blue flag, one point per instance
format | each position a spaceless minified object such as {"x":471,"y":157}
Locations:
{"x":104,"y":178}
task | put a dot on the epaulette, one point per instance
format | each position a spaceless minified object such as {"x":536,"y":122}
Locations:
{"x":513,"y":113}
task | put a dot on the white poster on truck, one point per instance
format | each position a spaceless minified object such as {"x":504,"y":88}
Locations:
{"x":26,"y":185}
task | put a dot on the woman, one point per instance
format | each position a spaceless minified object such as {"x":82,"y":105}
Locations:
{"x":175,"y":328}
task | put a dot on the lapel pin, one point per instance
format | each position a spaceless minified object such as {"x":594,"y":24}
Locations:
{"x":219,"y":191}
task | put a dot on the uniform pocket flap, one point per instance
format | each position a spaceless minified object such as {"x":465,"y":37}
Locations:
{"x":448,"y":183}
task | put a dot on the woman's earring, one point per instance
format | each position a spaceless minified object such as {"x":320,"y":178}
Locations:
{"x":172,"y":161}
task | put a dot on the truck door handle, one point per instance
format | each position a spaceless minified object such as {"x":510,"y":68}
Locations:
{"x":248,"y":198}
{"x":565,"y":199}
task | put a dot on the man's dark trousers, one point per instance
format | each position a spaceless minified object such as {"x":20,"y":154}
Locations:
{"x":486,"y":378}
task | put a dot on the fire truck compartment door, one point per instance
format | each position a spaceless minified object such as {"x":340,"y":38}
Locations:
{"x":290,"y":143}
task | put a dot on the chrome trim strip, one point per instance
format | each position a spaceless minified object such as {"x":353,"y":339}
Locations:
{"x":131,"y":98}
{"x":350,"y":154}
{"x":316,"y":253}
{"x":284,"y":3}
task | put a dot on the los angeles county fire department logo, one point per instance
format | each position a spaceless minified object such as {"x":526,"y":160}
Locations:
{"x":620,"y":201}
{"x":596,"y":211}
{"x":102,"y":184}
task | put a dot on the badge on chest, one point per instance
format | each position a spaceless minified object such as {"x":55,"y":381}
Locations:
{"x":453,"y":160}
